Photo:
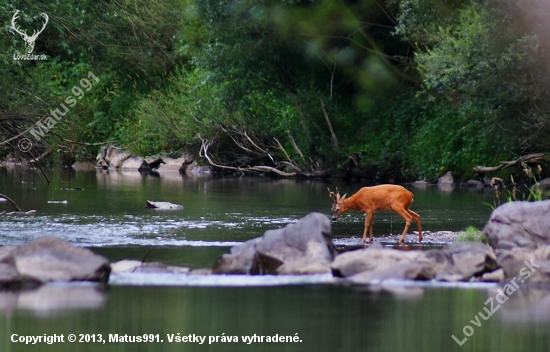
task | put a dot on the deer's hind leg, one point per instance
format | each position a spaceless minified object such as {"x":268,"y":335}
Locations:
{"x":404,"y":213}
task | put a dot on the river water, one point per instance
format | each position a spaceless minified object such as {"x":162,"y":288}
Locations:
{"x":105,"y":212}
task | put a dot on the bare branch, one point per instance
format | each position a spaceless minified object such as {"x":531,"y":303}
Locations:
{"x":204,"y":153}
{"x":333,"y":137}
{"x":11,"y":201}
{"x":530,"y":158}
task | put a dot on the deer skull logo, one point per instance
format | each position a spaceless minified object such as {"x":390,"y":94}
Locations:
{"x":29,"y":40}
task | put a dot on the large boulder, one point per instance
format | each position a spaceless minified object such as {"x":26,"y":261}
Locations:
{"x":372,"y":258}
{"x":135,"y":162}
{"x":456,"y":262}
{"x":170,"y":164}
{"x":527,"y":265}
{"x":379,"y":263}
{"x":240,"y":260}
{"x":463,"y":260}
{"x":520,"y":234}
{"x":519,"y":224}
{"x":302,"y":248}
{"x":111,"y":157}
{"x":49,"y":258}
{"x":195,"y":169}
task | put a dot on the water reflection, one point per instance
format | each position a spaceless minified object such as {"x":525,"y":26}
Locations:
{"x":525,"y":306}
{"x":53,"y":299}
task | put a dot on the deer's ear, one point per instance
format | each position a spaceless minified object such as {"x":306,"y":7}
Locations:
{"x":343,"y":197}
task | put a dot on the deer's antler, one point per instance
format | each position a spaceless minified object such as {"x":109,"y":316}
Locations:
{"x":333,"y":195}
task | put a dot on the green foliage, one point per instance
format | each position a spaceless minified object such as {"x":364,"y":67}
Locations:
{"x":421,"y":87}
{"x":471,"y":234}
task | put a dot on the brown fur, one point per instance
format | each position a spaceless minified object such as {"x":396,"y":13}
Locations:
{"x":383,"y":197}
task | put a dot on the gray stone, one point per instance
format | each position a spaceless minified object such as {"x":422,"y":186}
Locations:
{"x":379,"y":263}
{"x":135,"y":162}
{"x":519,"y":224}
{"x":49,"y":258}
{"x":172,"y":165}
{"x":125,"y":265}
{"x":457,"y":262}
{"x":493,"y":276}
{"x":162,"y":205}
{"x":195,"y":169}
{"x":111,"y":157}
{"x":84,"y":166}
{"x":542,"y":185}
{"x":404,"y":270}
{"x":240,"y":260}
{"x":526,"y":264}
{"x":302,"y":248}
{"x":463,"y":260}
{"x":446,"y":179}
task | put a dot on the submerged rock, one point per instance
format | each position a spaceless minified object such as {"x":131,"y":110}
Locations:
{"x":162,"y":205}
{"x":137,"y":266}
{"x":302,"y":248}
{"x":84,"y":165}
{"x":49,"y":258}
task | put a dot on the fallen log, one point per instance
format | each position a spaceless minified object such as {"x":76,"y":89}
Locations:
{"x":529,"y":158}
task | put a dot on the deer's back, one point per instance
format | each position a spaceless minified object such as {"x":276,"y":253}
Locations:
{"x":383,"y":197}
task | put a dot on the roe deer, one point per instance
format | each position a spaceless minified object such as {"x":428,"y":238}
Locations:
{"x":370,"y":199}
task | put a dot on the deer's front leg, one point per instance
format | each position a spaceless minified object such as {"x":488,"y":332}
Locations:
{"x":366,"y":228}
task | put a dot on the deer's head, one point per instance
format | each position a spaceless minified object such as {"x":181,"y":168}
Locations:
{"x":29,"y":40}
{"x":337,"y":203}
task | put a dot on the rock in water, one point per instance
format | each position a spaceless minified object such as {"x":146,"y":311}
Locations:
{"x":379,"y":263}
{"x":520,"y":234}
{"x":302,"y":248}
{"x":462,"y":260}
{"x":446,"y":179}
{"x":48,"y":259}
{"x":456,"y":262}
{"x":162,"y":205}
{"x":135,"y":162}
{"x":241,"y":260}
{"x":519,"y":224}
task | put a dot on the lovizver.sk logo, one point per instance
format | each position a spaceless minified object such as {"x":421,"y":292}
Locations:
{"x":28,"y":39}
